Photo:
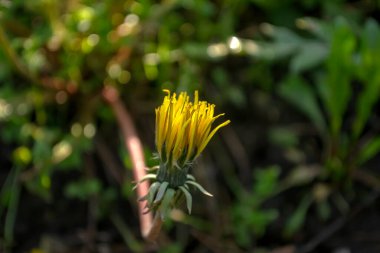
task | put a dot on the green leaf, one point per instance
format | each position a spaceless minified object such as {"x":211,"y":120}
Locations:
{"x":324,"y":210}
{"x":83,"y":189}
{"x":299,"y":93}
{"x":266,"y":182}
{"x":275,"y":50}
{"x":10,"y":218}
{"x":280,"y":33}
{"x":260,"y":219}
{"x":196,"y":50}
{"x":339,"y":74}
{"x":370,"y":149}
{"x":317,"y":27}
{"x":309,"y":55}
{"x":367,"y":99}
{"x":283,"y":137}
{"x":367,"y":71}
{"x":301,"y":175}
{"x":297,"y":219}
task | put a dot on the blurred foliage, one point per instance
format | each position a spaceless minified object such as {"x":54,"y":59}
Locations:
{"x":247,"y":214}
{"x":298,"y":78}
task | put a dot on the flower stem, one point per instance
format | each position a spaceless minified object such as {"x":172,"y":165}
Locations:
{"x":134,"y":147}
{"x":155,"y":229}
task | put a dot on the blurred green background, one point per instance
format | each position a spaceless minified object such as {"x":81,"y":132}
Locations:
{"x":295,"y":171}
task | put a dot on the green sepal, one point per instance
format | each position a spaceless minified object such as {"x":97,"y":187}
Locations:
{"x":190,"y":177}
{"x":152,"y":169}
{"x":199,"y":187}
{"x":161,"y":191}
{"x":189,"y":198}
{"x":146,"y":177}
{"x":165,"y":204}
{"x":152,"y":192}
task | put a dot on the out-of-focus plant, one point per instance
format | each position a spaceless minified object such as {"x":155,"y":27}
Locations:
{"x":347,"y":85}
{"x":56,"y":60}
{"x":248,"y":213}
{"x":333,"y":80}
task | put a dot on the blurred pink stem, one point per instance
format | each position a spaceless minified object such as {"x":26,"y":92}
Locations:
{"x":149,"y":228}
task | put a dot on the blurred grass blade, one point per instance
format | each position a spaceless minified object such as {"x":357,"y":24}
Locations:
{"x":6,"y":190}
{"x":367,"y":99}
{"x":309,"y":55}
{"x":371,"y":149}
{"x":317,"y":27}
{"x":367,"y":70}
{"x":337,"y":90}
{"x":297,"y":219}
{"x":10,"y":218}
{"x":280,"y":33}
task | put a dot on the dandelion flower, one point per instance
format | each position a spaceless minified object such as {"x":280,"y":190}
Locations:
{"x":183,"y":130}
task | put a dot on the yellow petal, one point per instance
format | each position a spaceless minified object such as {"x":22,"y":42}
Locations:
{"x":203,"y":145}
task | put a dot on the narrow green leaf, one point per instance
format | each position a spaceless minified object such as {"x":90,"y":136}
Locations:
{"x":200,"y":188}
{"x":340,"y":69}
{"x":367,"y":71}
{"x":299,"y":93}
{"x":371,"y":149}
{"x":309,"y":55}
{"x":6,"y":191}
{"x":189,"y":198}
{"x":161,"y":191}
{"x":10,"y":218}
{"x":297,"y":219}
{"x":367,"y":99}
{"x":281,"y":34}
{"x":318,"y":27}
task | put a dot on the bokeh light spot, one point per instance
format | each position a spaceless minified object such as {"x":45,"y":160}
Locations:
{"x":76,"y":130}
{"x":89,"y":130}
